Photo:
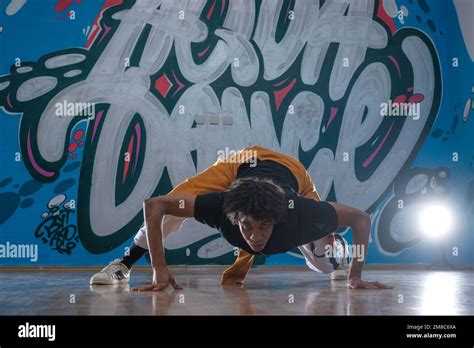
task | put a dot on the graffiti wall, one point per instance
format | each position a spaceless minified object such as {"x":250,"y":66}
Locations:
{"x":105,"y":103}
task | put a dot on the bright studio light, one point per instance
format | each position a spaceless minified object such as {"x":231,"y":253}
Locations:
{"x":435,"y":221}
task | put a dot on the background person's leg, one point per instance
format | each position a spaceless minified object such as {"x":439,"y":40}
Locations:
{"x":329,"y":255}
{"x":133,"y":254}
{"x":216,"y":178}
{"x":360,"y":224}
{"x":137,"y":250}
{"x":315,"y":258}
{"x":140,"y":238}
{"x":118,"y":270}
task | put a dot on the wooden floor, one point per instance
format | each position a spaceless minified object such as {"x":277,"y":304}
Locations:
{"x":267,"y":291}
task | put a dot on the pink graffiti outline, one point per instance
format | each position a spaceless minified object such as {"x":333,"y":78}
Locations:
{"x":32,"y":159}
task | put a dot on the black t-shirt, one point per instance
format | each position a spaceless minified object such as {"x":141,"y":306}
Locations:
{"x":277,"y":172}
{"x":308,"y":220}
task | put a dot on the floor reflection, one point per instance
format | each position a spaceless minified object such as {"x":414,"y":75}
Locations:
{"x":239,"y":296}
{"x":266,"y":292}
{"x":440,"y":294}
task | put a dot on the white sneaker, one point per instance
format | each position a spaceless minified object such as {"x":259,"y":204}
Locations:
{"x":340,"y":274}
{"x":114,"y":273}
{"x":342,"y":260}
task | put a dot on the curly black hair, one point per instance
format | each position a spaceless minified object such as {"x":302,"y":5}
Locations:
{"x":259,"y":198}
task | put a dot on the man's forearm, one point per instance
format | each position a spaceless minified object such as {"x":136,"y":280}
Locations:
{"x":360,"y":239}
{"x":154,"y":213}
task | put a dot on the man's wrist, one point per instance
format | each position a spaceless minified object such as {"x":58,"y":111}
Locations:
{"x":159,"y":265}
{"x":356,"y":274}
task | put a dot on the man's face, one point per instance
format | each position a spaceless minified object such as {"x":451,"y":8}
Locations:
{"x":256,"y":233}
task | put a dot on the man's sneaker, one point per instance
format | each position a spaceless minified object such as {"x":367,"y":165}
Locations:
{"x":341,"y":273}
{"x":341,"y":261}
{"x":114,"y":273}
